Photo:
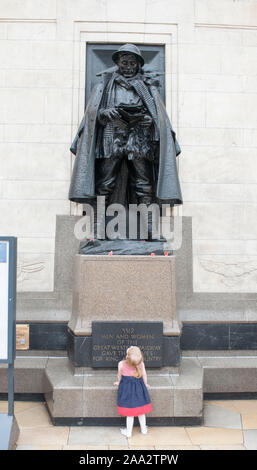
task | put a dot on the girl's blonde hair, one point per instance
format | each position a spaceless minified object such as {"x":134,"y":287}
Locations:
{"x":134,"y":359}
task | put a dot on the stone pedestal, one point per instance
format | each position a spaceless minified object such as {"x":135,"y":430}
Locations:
{"x":124,"y":289}
{"x":119,"y":301}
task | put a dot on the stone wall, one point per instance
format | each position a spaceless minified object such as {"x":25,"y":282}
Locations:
{"x":211,"y":96}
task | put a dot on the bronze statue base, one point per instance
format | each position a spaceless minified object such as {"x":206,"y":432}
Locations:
{"x":123,"y":247}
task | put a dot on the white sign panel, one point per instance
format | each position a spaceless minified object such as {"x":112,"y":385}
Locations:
{"x":4,"y":295}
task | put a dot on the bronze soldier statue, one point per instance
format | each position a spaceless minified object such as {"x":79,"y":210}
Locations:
{"x":125,"y":146}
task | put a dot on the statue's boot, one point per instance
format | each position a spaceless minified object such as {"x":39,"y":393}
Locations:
{"x":149,"y":223}
{"x":153,"y":233}
{"x":99,"y":221}
{"x":100,"y":226}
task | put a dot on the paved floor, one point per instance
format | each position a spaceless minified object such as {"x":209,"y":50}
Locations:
{"x":228,"y":425}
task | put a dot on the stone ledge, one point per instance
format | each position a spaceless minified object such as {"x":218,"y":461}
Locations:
{"x":28,"y":375}
{"x":229,"y":375}
{"x":175,"y":392}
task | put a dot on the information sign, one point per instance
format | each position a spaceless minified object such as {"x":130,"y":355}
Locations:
{"x":8,"y":248}
{"x":4,"y":278}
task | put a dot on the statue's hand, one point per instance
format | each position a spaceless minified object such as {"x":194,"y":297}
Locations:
{"x":147,"y":121}
{"x":109,"y":114}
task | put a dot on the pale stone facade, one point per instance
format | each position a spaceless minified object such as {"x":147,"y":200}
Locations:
{"x":211,"y":96}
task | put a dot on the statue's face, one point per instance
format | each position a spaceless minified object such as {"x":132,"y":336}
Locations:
{"x":128,"y":65}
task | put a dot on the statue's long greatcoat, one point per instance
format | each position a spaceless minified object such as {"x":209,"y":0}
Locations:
{"x":82,"y":187}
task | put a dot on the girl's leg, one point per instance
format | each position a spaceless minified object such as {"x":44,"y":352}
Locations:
{"x":142,"y":422}
{"x":128,"y":430}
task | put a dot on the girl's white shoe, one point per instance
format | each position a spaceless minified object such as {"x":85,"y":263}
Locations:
{"x":144,"y":430}
{"x":125,"y":432}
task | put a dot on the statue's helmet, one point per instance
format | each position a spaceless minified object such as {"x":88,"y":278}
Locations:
{"x":129,"y":49}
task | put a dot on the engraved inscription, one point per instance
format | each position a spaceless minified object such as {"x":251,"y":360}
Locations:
{"x":111,"y":340}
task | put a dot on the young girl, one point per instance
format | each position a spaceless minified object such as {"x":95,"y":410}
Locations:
{"x":133,"y":396}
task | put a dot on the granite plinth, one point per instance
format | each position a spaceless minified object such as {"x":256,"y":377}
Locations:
{"x":135,"y":293}
{"x":121,"y":288}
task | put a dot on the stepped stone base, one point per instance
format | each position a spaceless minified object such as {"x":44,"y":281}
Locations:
{"x":84,"y":396}
{"x":91,"y":394}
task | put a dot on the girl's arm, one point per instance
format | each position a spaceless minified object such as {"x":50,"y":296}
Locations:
{"x":144,"y":375}
{"x":119,"y":374}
